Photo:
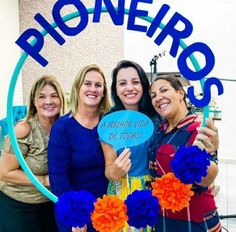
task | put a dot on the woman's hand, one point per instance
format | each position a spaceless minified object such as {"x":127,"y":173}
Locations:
{"x":79,"y":229}
{"x":207,"y":137}
{"x":121,"y":165}
{"x":44,"y":180}
{"x":116,"y":166}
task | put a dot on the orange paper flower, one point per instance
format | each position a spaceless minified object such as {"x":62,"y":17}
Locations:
{"x":109,"y":214}
{"x":171,"y":192}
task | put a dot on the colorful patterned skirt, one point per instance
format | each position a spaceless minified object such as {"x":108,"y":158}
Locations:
{"x":123,"y":187}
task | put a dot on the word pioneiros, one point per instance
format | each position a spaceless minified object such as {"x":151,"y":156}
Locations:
{"x":117,"y":15}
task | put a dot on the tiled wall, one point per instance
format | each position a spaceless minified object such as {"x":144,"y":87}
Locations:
{"x":100,"y":43}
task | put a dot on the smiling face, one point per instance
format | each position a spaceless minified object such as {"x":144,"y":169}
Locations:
{"x":92,"y":89}
{"x":166,"y":100}
{"x":47,"y":102}
{"x":129,"y":88}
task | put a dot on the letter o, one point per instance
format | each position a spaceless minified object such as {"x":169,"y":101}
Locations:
{"x":183,"y":66}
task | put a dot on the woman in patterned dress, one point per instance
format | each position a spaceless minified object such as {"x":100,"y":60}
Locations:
{"x":180,"y":129}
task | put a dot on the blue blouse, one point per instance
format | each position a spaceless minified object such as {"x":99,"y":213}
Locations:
{"x":75,"y":159}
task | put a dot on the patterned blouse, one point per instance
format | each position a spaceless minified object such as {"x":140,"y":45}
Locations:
{"x":163,"y":151}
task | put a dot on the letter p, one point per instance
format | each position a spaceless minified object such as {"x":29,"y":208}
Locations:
{"x":34,"y":47}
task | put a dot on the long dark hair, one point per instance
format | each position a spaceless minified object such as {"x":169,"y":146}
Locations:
{"x":145,"y":104}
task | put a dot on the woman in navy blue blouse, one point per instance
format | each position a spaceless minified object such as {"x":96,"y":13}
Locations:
{"x":75,"y":157}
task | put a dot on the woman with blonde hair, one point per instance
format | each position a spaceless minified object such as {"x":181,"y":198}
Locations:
{"x":23,"y":207}
{"x":75,"y":156}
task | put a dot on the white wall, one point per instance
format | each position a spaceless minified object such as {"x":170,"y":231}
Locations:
{"x":213,"y":24}
{"x":227,"y":126}
{"x":10,"y":52}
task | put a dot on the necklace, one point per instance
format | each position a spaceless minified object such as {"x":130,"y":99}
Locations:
{"x":177,"y":130}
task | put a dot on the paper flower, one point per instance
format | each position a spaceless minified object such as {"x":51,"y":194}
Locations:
{"x":171,"y":192}
{"x":142,"y":208}
{"x":74,"y":208}
{"x":190,"y":164}
{"x":109,"y":214}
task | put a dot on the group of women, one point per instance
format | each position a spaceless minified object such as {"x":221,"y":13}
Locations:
{"x":65,"y":152}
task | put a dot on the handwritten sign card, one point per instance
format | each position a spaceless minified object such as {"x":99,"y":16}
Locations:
{"x":125,"y":128}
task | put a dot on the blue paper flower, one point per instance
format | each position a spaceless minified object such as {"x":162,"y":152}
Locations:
{"x":190,"y":164}
{"x":142,"y":208}
{"x":74,"y":208}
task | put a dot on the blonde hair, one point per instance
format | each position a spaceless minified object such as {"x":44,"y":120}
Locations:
{"x":37,"y":87}
{"x":104,"y":105}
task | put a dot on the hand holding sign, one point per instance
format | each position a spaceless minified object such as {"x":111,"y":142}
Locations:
{"x":125,"y":128}
{"x":123,"y":163}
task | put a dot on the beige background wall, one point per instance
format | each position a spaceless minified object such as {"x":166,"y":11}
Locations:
{"x":100,"y":43}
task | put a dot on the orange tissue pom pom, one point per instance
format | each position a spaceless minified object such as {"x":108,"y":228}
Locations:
{"x":171,"y":192}
{"x":109,"y":214}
